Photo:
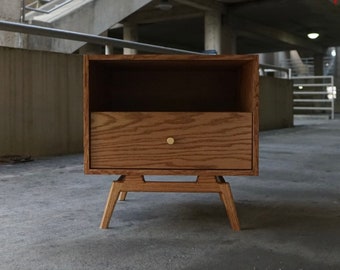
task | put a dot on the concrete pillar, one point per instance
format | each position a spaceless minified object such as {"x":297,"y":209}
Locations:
{"x":318,"y":64}
{"x":130,"y":33}
{"x":212,"y":30}
{"x":108,"y":49}
{"x":10,"y":10}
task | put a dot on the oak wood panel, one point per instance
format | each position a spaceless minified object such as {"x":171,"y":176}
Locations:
{"x":158,"y":59}
{"x":177,"y":172}
{"x":249,"y":101}
{"x":137,"y":140}
{"x":86,"y":114}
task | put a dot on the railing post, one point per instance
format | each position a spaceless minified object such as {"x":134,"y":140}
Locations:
{"x":22,"y":11}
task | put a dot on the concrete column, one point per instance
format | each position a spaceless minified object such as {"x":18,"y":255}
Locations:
{"x":130,"y":33}
{"x":318,"y":64}
{"x":108,"y":49}
{"x":10,"y":10}
{"x":212,"y":30}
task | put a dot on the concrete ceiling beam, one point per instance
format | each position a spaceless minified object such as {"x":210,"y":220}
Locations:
{"x":153,"y":16}
{"x":262,"y":31}
{"x":201,"y":5}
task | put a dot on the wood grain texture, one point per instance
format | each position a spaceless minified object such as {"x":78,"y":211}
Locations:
{"x":164,"y":171}
{"x":171,"y":83}
{"x":137,"y":183}
{"x":249,"y":101}
{"x":233,"y":59}
{"x":138,"y":140}
{"x":86,"y":113}
{"x":167,"y":114}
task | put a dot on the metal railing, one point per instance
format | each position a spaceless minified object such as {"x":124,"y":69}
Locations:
{"x":306,"y":66}
{"x":275,"y":71}
{"x":41,"y":6}
{"x":314,"y":93}
{"x":47,"y":7}
{"x":88,"y":38}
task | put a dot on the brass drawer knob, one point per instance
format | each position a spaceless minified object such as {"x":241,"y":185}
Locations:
{"x":170,"y":140}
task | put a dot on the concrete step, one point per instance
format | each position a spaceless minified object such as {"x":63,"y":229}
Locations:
{"x":86,"y":16}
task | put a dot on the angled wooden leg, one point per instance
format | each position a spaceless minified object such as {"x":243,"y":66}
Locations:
{"x":227,"y":198}
{"x":111,"y":202}
{"x":220,"y":180}
{"x":122,"y":196}
{"x":137,"y":183}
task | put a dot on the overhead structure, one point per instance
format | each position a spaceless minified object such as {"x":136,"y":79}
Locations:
{"x":226,"y":26}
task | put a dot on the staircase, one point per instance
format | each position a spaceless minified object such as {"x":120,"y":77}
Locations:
{"x":87,"y":16}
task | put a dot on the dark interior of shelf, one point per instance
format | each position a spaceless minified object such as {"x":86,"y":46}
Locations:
{"x":165,"y":86}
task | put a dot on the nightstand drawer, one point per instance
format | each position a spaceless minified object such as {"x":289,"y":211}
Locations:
{"x":171,"y":140}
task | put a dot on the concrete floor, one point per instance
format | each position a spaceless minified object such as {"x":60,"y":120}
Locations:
{"x":290,"y":215}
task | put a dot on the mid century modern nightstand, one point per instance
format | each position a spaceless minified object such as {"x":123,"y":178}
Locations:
{"x":171,"y":115}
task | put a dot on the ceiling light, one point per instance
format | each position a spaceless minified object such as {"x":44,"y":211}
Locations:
{"x":164,"y":5}
{"x":313,"y":35}
{"x":333,"y":53}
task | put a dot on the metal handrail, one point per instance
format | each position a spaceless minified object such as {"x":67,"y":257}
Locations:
{"x":307,"y":64}
{"x":325,"y":96}
{"x":265,"y":68}
{"x":303,"y":81}
{"x":94,"y":39}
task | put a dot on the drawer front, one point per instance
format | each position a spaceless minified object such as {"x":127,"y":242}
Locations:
{"x":171,"y":140}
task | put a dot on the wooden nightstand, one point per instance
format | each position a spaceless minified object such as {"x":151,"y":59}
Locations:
{"x":171,"y":115}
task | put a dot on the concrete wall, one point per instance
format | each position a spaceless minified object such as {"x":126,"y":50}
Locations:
{"x":40,"y":102}
{"x":86,"y":16}
{"x":10,"y":11}
{"x":276,"y":103}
